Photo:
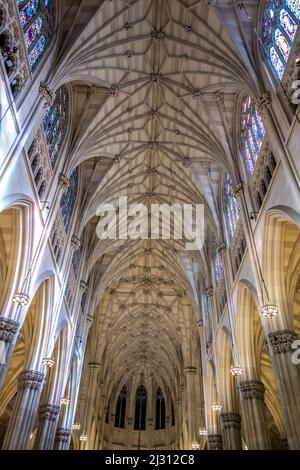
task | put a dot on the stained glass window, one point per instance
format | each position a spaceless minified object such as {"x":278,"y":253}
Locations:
{"x":206,"y":304}
{"x":232,"y":208}
{"x":55,"y":123}
{"x":218,"y":264}
{"x":68,"y":200}
{"x":37,"y":20}
{"x":280,"y":23}
{"x":77,"y":255}
{"x":253,"y":133}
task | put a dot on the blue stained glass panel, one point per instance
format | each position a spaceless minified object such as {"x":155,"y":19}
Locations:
{"x":282,"y":43}
{"x":68,"y":200}
{"x":218,"y":264}
{"x":294,"y":6}
{"x":33,"y":32}
{"x":28,"y":11}
{"x":232,"y":208}
{"x":277,"y":63}
{"x":288,"y":24}
{"x":37,"y":51}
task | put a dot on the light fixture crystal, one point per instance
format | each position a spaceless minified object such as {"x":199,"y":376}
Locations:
{"x":195,"y":445}
{"x":269,"y":311}
{"x":216,"y":407}
{"x":48,"y":362}
{"x":83,"y":438}
{"x":236,"y":370}
{"x":65,"y":401}
{"x":202,"y":432}
{"x":76,"y":426}
{"x":21,"y":299}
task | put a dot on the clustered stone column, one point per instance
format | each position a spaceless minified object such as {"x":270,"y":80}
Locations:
{"x":253,"y":409}
{"x":45,"y":434}
{"x":231,"y":431}
{"x":191,"y":403}
{"x":62,"y":438}
{"x":8,"y":331}
{"x":288,"y":382}
{"x":214,"y":442}
{"x":21,"y":423}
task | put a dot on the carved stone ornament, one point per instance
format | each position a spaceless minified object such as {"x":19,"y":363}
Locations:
{"x":84,"y":286}
{"x":8,"y":329}
{"x":63,"y":435}
{"x":264,"y":102}
{"x":49,"y":412}
{"x":252,"y":389}
{"x":281,"y":341}
{"x":31,"y":379}
{"x":214,"y":442}
{"x":47,"y":94}
{"x":237,"y":189}
{"x":221,"y":248}
{"x":75,"y":242}
{"x":63,"y":182}
{"x":231,"y":420}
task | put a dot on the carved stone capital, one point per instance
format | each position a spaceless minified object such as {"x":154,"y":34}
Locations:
{"x":8,"y":329}
{"x":75,"y":242}
{"x":94,"y":365}
{"x":231,"y":420}
{"x":89,"y":319}
{"x":238,"y":189}
{"x":63,"y":182}
{"x":209,"y":292}
{"x":47,"y":94}
{"x":63,"y":435}
{"x":264,"y":102}
{"x":49,"y":412}
{"x":83,"y":286}
{"x":214,"y":442}
{"x":190,"y":370}
{"x":219,"y":97}
{"x":281,"y":341}
{"x":252,"y":389}
{"x":31,"y":379}
{"x":221,"y":248}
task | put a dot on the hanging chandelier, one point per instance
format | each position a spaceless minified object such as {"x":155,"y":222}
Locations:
{"x":269,"y":311}
{"x":76,"y":426}
{"x":65,"y":401}
{"x":83,"y":438}
{"x":202,"y":432}
{"x":216,"y":407}
{"x":236,"y":371}
{"x":48,"y":362}
{"x":21,"y":299}
{"x":195,"y":445}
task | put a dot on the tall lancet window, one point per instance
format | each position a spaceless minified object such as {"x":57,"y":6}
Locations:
{"x":218,"y":265}
{"x":160,"y":411}
{"x":280,"y":23}
{"x":232,"y":208}
{"x":140,"y":409}
{"x":253,"y":133}
{"x":121,"y":409}
{"x":68,"y":200}
{"x":55,"y":123}
{"x":37,"y":18}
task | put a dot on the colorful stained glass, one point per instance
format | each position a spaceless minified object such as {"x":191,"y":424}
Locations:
{"x":282,"y":44}
{"x":253,"y":135}
{"x":218,"y":264}
{"x":288,"y":24}
{"x":276,"y":62}
{"x":33,"y":32}
{"x":28,"y":11}
{"x":294,"y":6}
{"x":55,"y":124}
{"x":232,"y":208}
{"x":68,"y":200}
{"x":37,"y":20}
{"x":206,"y":304}
{"x":280,"y":23}
{"x":37,"y":51}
